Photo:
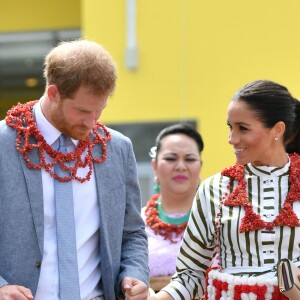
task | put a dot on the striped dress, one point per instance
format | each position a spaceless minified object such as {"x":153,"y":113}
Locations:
{"x":253,"y":253}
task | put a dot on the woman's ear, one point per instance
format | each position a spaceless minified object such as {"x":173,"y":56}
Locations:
{"x":154,"y":165}
{"x":279,"y":129}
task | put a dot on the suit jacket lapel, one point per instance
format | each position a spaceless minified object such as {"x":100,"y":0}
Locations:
{"x":103,"y":174}
{"x":33,"y":180}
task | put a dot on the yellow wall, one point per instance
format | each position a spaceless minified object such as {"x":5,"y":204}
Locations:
{"x":20,"y":15}
{"x":193,"y":56}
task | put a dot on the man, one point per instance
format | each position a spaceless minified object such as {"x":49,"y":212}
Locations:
{"x":57,"y":144}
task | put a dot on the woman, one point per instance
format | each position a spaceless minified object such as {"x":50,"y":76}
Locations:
{"x":247,"y":215}
{"x":176,"y":161}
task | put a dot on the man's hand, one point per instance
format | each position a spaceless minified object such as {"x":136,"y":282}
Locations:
{"x":15,"y":292}
{"x":134,"y":289}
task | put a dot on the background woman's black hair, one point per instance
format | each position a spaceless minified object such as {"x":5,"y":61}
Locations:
{"x":273,"y":103}
{"x":183,"y":128}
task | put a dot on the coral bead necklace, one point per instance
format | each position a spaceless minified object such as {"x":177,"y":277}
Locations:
{"x":21,"y":118}
{"x":252,"y":220}
{"x":158,"y":221}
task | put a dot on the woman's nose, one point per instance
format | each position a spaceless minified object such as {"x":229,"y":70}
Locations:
{"x":181,"y":165}
{"x":233,"y":138}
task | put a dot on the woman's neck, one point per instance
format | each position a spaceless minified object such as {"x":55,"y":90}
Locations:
{"x":276,"y":160}
{"x":176,"y":203}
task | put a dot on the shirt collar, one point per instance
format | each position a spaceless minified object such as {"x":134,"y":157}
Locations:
{"x":48,"y":131}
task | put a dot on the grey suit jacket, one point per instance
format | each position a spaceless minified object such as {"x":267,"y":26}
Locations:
{"x":123,"y":242}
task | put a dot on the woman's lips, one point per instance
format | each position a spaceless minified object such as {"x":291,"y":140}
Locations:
{"x":180,"y":178}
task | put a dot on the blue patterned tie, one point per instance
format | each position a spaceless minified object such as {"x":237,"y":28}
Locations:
{"x":65,"y":231}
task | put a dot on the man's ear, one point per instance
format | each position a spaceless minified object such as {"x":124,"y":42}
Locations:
{"x":53,"y":93}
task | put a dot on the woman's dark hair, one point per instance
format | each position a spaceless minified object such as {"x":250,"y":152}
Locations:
{"x":273,"y":103}
{"x":182,"y":128}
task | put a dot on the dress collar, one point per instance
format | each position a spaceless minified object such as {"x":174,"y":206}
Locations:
{"x":267,"y":170}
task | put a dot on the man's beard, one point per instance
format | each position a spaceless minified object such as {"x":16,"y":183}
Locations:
{"x":76,"y":132}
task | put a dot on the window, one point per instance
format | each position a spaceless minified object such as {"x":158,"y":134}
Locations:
{"x":21,"y":64}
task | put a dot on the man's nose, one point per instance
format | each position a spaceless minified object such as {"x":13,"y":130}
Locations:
{"x":90,"y":121}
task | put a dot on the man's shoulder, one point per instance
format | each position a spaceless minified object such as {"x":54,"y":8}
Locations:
{"x":7,"y":137}
{"x":3,"y":123}
{"x":117,"y":135}
{"x":4,"y":128}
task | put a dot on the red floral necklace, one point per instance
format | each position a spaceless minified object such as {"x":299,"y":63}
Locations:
{"x":157,"y":225}
{"x":21,"y":118}
{"x":252,"y":220}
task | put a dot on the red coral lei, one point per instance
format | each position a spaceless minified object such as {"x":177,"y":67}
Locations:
{"x":157,"y":225}
{"x":29,"y":137}
{"x":253,"y":221}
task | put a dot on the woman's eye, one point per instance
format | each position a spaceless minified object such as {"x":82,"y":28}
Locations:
{"x":243,"y":128}
{"x":169,"y":158}
{"x":190,"y":159}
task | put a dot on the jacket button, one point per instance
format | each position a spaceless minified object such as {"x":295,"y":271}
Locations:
{"x":38,"y":263}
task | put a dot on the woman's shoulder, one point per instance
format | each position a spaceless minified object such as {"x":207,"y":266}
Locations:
{"x":216,"y":177}
{"x":216,"y":182}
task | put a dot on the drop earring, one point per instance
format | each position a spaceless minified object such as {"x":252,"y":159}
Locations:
{"x":156,"y":185}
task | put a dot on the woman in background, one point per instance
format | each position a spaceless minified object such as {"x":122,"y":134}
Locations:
{"x":176,"y":161}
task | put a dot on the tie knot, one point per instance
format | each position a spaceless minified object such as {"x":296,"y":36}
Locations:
{"x":62,"y":143}
{"x":62,"y":140}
